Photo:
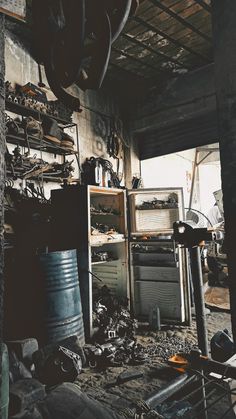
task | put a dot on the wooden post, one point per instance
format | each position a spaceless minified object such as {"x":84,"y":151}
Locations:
{"x":224,"y":38}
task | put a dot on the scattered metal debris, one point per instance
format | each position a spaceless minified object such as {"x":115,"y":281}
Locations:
{"x":172,"y":202}
{"x":166,"y":347}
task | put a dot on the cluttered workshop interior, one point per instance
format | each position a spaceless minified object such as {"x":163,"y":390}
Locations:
{"x":118,"y":206}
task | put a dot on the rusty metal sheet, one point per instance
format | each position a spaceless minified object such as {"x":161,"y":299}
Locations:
{"x":217,"y":297}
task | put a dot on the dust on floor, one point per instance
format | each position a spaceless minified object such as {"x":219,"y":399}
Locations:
{"x":156,"y":372}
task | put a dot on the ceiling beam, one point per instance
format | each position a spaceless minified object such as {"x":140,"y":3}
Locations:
{"x":156,"y":52}
{"x":180,"y":19}
{"x":203,"y":5}
{"x":169,"y":38}
{"x":138,"y":61}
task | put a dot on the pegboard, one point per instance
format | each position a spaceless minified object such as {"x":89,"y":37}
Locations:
{"x":14,"y":8}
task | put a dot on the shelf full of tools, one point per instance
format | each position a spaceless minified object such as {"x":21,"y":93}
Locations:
{"x":35,"y":124}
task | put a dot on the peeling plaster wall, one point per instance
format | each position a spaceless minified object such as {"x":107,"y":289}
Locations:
{"x":21,"y":69}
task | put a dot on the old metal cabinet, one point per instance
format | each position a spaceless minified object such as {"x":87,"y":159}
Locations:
{"x":144,"y":266}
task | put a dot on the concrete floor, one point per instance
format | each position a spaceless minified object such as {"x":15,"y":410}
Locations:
{"x":156,"y":372}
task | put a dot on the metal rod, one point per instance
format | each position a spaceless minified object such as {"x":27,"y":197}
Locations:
{"x":196,"y":269}
{"x":193,"y":178}
{"x":204,"y":158}
{"x":169,"y":38}
{"x":183,"y":21}
{"x":167,"y":391}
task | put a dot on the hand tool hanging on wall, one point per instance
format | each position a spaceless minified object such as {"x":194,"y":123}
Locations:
{"x":91,"y":26}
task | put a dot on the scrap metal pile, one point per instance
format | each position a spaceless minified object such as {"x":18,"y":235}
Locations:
{"x":171,"y":202}
{"x":114,"y":339}
{"x":73,"y":41}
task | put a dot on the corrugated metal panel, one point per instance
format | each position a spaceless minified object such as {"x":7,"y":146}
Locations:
{"x":195,"y":132}
{"x":166,"y":295}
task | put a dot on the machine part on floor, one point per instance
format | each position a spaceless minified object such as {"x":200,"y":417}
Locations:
{"x":17,"y":370}
{"x":24,"y":349}
{"x":60,"y":365}
{"x":155,"y":318}
{"x":24,"y":393}
{"x":48,"y":353}
{"x":110,"y":314}
{"x":222,"y":346}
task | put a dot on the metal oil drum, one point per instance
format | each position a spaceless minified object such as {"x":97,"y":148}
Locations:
{"x":62,"y":300}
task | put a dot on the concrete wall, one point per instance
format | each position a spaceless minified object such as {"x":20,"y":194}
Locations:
{"x":93,"y":122}
{"x":180,"y":98}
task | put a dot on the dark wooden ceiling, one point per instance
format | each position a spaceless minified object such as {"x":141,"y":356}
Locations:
{"x":164,"y":39}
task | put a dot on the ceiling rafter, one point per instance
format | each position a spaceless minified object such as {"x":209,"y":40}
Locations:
{"x":156,"y":52}
{"x":169,"y":38}
{"x":130,"y":57}
{"x":180,"y":19}
{"x":203,"y":5}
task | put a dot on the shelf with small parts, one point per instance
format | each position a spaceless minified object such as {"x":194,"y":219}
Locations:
{"x":19,"y":109}
{"x":42,"y":144}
